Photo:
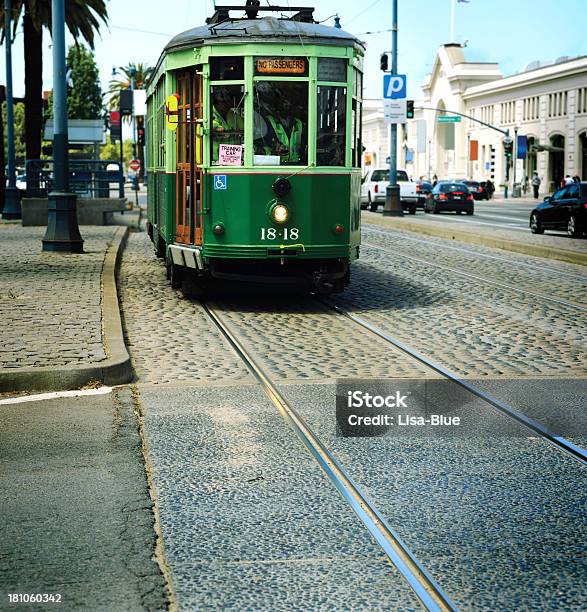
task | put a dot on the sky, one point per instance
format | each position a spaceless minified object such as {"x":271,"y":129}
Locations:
{"x":510,"y":32}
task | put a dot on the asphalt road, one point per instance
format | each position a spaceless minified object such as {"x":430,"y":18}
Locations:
{"x":77,"y":521}
{"x":504,"y":214}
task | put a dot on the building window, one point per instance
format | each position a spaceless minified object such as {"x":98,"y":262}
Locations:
{"x":557,"y":104}
{"x":531,"y":108}
{"x":582,"y":101}
{"x":508,"y":112}
{"x":487,"y":114}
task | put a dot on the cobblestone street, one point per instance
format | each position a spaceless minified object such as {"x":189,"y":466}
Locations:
{"x":474,"y":328}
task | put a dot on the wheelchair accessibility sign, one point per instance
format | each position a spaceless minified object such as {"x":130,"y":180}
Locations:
{"x":220,"y":181}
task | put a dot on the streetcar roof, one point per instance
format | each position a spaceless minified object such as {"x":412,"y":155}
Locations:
{"x":261,"y":30}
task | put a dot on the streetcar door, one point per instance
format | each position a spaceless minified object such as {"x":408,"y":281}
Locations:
{"x":189,"y":149}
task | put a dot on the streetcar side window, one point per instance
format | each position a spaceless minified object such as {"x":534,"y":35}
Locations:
{"x":331,"y":141}
{"x":228,"y":124}
{"x":280,"y":123}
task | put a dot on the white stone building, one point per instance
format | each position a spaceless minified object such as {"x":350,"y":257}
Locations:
{"x":546,"y":103}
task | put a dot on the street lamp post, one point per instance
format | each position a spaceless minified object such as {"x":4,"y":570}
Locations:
{"x":62,"y":229}
{"x":515,"y":192}
{"x":393,"y":206}
{"x":12,"y":208}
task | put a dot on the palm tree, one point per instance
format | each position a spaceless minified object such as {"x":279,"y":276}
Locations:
{"x":141,"y":74}
{"x":82,"y":18}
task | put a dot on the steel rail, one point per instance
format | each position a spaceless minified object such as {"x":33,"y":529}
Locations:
{"x":558,"y":442}
{"x":371,"y":228}
{"x":425,"y":587}
{"x":477,"y":278}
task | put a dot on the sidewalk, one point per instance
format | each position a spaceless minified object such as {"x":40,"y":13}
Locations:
{"x":59,"y":311}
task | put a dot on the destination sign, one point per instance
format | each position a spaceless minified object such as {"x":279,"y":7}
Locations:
{"x":293,"y":66}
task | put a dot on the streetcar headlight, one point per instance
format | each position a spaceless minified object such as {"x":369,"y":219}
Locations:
{"x":279,"y":213}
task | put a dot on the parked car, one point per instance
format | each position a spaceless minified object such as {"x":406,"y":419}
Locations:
{"x":565,"y":210}
{"x":423,"y":188}
{"x":477,"y":189}
{"x":449,"y":196}
{"x":21,"y":182}
{"x":375,"y":184}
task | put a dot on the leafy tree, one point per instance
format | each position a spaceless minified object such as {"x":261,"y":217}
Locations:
{"x":84,"y":99}
{"x":82,"y":18}
{"x":18,"y":133}
{"x":111,"y":150}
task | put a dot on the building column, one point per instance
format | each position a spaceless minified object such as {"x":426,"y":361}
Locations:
{"x":571,"y":148}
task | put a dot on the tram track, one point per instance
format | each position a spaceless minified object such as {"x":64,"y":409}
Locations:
{"x":558,"y":442}
{"x":472,"y":253}
{"x":430,"y":594}
{"x":477,"y":278}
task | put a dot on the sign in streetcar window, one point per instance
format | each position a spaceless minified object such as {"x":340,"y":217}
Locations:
{"x":230,"y":155}
{"x":295,"y":66}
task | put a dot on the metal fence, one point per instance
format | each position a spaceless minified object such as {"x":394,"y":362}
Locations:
{"x":89,"y":178}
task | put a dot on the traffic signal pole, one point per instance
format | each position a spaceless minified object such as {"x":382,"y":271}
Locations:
{"x":393,"y":207}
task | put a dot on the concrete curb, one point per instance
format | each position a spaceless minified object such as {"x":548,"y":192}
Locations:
{"x":114,"y":370}
{"x":547,"y":252}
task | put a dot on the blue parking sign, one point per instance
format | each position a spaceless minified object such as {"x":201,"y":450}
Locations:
{"x":220,"y":181}
{"x":394,"y":86}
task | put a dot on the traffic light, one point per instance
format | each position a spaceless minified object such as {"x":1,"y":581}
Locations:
{"x":409,"y":109}
{"x":508,"y":146}
{"x":141,"y":136}
{"x":384,"y":62}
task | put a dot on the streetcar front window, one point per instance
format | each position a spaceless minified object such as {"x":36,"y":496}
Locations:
{"x":280,"y":123}
{"x":228,"y":124}
{"x":331,"y":142}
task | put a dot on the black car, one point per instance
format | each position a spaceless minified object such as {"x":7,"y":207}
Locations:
{"x":565,"y":210}
{"x":477,"y":190}
{"x":450,"y":196}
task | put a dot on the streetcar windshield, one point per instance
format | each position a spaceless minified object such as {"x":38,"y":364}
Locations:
{"x":281,"y":123}
{"x":228,"y":124}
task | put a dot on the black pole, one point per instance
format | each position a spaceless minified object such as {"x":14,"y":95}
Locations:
{"x":62,"y":229}
{"x":12,"y":195}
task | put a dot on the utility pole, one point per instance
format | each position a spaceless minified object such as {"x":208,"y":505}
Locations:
{"x":134,"y":139}
{"x":12,"y":208}
{"x":62,"y":229}
{"x":393,"y":207}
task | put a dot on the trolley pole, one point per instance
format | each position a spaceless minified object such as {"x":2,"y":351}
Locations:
{"x":393,"y":207}
{"x":62,"y":229}
{"x":12,"y":208}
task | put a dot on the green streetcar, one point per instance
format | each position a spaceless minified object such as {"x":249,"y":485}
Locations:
{"x":254,"y":151}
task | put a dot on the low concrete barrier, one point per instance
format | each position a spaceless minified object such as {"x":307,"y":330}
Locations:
{"x":90,"y":211}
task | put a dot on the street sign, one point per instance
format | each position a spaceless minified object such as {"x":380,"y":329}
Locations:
{"x":449,"y":119}
{"x":394,"y":86}
{"x":394,"y":111}
{"x":134,"y":165}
